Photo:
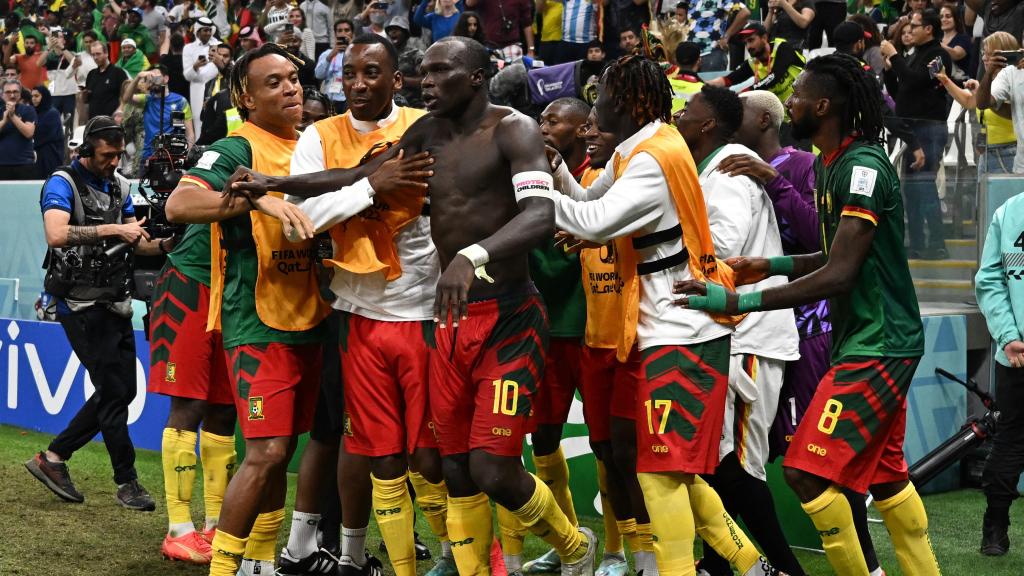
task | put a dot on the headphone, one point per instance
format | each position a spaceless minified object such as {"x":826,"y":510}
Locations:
{"x":86,"y":149}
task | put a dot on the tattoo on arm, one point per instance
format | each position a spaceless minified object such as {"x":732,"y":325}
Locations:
{"x":79,"y":235}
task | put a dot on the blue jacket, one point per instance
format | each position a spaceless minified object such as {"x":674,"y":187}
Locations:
{"x":999,"y":283}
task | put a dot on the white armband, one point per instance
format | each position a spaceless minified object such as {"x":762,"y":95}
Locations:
{"x":533,"y":183}
{"x":479,"y":257}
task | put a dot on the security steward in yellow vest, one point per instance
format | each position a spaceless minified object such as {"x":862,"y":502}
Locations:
{"x":774,"y":65}
{"x":685,"y":81}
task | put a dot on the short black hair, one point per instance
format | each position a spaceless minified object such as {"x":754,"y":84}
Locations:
{"x":340,"y":21}
{"x":474,"y":55}
{"x":163,"y":69}
{"x":595,"y":43}
{"x":177,"y":42}
{"x":369,"y":39}
{"x":239,"y":80}
{"x":727,"y":106}
{"x":931,"y":18}
{"x":574,"y":106}
{"x":687,"y":53}
{"x":103,"y":128}
{"x":635,"y":31}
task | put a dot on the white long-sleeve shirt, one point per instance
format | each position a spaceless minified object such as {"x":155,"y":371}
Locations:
{"x":409,"y":297}
{"x":638,"y":201}
{"x":743,"y":224}
{"x":198,"y":78}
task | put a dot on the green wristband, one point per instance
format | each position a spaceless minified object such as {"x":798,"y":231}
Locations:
{"x":750,"y":302}
{"x":780,"y":265}
{"x":697,"y":302}
{"x":715,"y":301}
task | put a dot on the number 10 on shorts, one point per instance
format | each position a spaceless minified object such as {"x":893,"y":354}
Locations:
{"x":506,"y":397}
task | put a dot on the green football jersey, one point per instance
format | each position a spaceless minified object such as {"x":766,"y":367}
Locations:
{"x":879,"y":317}
{"x":240,"y":324}
{"x":192,"y":254}
{"x":558,"y":277}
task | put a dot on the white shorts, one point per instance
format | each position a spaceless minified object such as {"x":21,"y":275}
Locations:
{"x":750,"y":407}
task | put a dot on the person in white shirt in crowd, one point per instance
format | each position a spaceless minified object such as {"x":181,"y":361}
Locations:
{"x":82,"y":65}
{"x":329,"y":65}
{"x":1002,"y":90}
{"x":319,"y":20}
{"x":198,"y":69}
{"x":184,"y":11}
{"x":297,"y":18}
{"x":374,"y":17}
{"x":61,"y":71}
{"x":154,"y":18}
{"x":275,"y":18}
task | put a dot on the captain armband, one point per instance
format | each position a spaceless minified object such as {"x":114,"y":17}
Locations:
{"x":533,"y":183}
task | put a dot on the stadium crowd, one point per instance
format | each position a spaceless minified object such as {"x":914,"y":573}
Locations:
{"x":667,"y":306}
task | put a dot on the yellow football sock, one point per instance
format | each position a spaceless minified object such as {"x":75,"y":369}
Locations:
{"x":227,"y":554}
{"x":628,"y":529}
{"x":831,"y":515}
{"x":553,"y":470}
{"x":217,"y":454}
{"x":542,"y":516}
{"x":178,"y":456}
{"x":471,"y":533}
{"x":612,"y":537}
{"x":645,"y":537}
{"x":714,"y":525}
{"x":432,"y":500}
{"x":512,"y":534}
{"x":392,"y":507}
{"x":668,"y":504}
{"x":262,"y":544}
{"x":907,"y":522}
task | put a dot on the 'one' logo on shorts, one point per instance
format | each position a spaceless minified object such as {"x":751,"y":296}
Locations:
{"x":171,"y":375}
{"x":347,"y":426}
{"x":256,"y":408}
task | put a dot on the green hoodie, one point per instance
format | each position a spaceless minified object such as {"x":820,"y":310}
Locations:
{"x":137,"y":63}
{"x":999,"y":283}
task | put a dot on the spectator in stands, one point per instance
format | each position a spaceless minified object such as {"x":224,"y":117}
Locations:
{"x":61,"y":67}
{"x":374,"y":17}
{"x":248,"y":39}
{"x":48,"y":138}
{"x":773,"y":65}
{"x":409,"y":58}
{"x":297,"y":18}
{"x":17,"y":127}
{"x":955,"y":40}
{"x":922,"y":100}
{"x":902,"y":38}
{"x":629,"y":40}
{"x":157,"y":98}
{"x":154,"y":18}
{"x":141,"y":36}
{"x":132,"y":60}
{"x":549,"y":32}
{"x":329,"y":65}
{"x":10,"y":73}
{"x":1001,"y":91}
{"x":579,"y":27}
{"x":827,"y":15}
{"x":103,"y":85}
{"x":315,"y":107}
{"x":789,"y":20}
{"x":195,"y":60}
{"x":997,"y":144}
{"x":999,"y":16}
{"x":31,"y":65}
{"x":469,"y":26}
{"x":632,"y":13}
{"x":506,"y":24}
{"x":219,"y":116}
{"x":307,"y":68}
{"x":187,"y":10}
{"x":439,"y":22}
{"x":685,"y":83}
{"x":715,"y":22}
{"x":221,"y":57}
{"x":318,"y":19}
{"x":134,"y":126}
{"x":173,"y":62}
{"x":872,"y":54}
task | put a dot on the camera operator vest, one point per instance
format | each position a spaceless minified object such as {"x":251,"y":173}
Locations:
{"x":97,"y":273}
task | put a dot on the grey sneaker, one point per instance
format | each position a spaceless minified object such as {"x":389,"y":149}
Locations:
{"x":548,"y":563}
{"x":584,"y":566}
{"x":54,"y":476}
{"x":613,"y":565}
{"x":133,"y":496}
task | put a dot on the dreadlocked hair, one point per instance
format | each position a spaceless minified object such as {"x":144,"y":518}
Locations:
{"x":637,"y":85}
{"x":239,"y":81}
{"x":842,"y":78}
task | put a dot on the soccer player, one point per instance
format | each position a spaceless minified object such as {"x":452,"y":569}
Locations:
{"x":852,"y":435}
{"x":743,"y":222}
{"x":652,"y":206}
{"x":188,"y":364}
{"x":266,"y":298}
{"x":556,"y":274}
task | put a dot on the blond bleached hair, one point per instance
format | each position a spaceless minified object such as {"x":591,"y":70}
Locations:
{"x":999,"y":41}
{"x":765,"y":101}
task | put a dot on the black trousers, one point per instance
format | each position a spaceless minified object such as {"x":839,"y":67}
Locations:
{"x":827,"y":15}
{"x":18,"y":172}
{"x":1006,"y":461}
{"x":105,"y":344}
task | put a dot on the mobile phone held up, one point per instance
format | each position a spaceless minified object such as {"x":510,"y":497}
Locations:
{"x":1013,"y":57}
{"x":935,"y":67}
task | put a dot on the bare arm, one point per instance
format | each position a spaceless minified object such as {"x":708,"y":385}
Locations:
{"x":964,"y":97}
{"x":977,"y":5}
{"x":196,"y":205}
{"x":59,"y":232}
{"x":983,"y":96}
{"x":27,"y":129}
{"x":801,"y":18}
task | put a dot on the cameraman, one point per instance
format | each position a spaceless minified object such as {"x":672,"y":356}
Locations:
{"x":329,"y":65}
{"x":87,"y":214}
{"x":160,"y":105}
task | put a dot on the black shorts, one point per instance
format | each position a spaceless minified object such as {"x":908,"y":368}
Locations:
{"x":330,"y":407}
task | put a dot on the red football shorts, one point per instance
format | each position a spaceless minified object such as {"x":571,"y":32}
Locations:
{"x":561,"y":377}
{"x":277,"y":386}
{"x":384,"y":370}
{"x":185,"y":361}
{"x":484,"y":374}
{"x":852,"y":433}
{"x":608,"y":388}
{"x":681,"y":407}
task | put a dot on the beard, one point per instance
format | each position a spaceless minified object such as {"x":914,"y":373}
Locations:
{"x":805,"y":127}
